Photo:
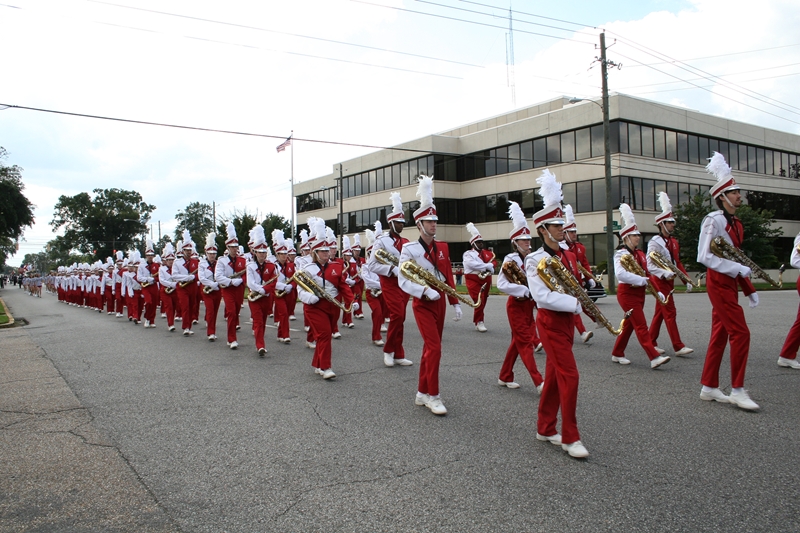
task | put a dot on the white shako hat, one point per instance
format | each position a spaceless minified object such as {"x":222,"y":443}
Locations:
{"x":258,"y":239}
{"x":550,"y":191}
{"x":521,"y":229}
{"x":120,"y":256}
{"x":278,"y":242}
{"x":720,"y":170}
{"x":330,"y":238}
{"x":168,"y":251}
{"x":397,"y":209}
{"x":290,"y":249}
{"x":149,"y":248}
{"x":370,"y":236}
{"x":346,"y":247}
{"x":109,"y":263}
{"x":311,"y":222}
{"x":426,"y":209}
{"x":357,"y":241}
{"x":211,"y":242}
{"x":188,"y":244}
{"x":666,"y":209}
{"x":304,"y":240}
{"x":475,"y":235}
{"x":232,"y":239}
{"x":569,"y":219}
{"x":628,"y":221}
{"x":318,"y":236}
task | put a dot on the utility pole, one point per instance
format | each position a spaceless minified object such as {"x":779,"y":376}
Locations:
{"x":214,"y":211}
{"x":612,"y":286}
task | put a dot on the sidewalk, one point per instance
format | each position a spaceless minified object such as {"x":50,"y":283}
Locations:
{"x":57,"y":472}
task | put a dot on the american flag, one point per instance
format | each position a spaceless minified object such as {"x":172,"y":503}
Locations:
{"x":284,"y":144}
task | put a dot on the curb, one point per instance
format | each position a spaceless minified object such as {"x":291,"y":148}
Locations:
{"x":8,"y":313}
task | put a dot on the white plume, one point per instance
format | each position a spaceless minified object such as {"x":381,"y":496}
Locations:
{"x":345,"y":242}
{"x":303,"y":237}
{"x":473,"y":231}
{"x":257,"y":235}
{"x":187,"y":237}
{"x":329,"y":235}
{"x":120,"y":255}
{"x":179,"y":245}
{"x":168,"y":249}
{"x":149,"y":245}
{"x":318,"y":229}
{"x":569,"y":216}
{"x":370,"y":236}
{"x":718,"y":167}
{"x":397,"y":203}
{"x":549,"y":188}
{"x":231,"y":231}
{"x":357,"y":240}
{"x":663,"y":201}
{"x":277,"y":238}
{"x":211,"y":240}
{"x":378,"y":228}
{"x":627,"y":215}
{"x":425,"y":191}
{"x":516,"y":215}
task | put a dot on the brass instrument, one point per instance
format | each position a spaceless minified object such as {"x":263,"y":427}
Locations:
{"x":185,"y":283}
{"x":375,"y":292}
{"x":662,"y":263}
{"x":558,"y":279}
{"x":722,"y":248}
{"x":307,"y":283}
{"x":629,"y":263}
{"x":485,"y":274}
{"x":585,"y":273}
{"x":421,"y":276}
{"x":255,"y":296}
{"x":169,"y":290}
{"x":386,"y":258}
{"x":237,"y":274}
{"x":514,"y":274}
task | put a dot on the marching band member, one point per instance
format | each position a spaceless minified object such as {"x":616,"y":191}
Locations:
{"x":665,"y":245}
{"x":631,"y":291}
{"x":722,"y":280}
{"x":788,"y":356}
{"x":119,"y":297}
{"x":479,"y":265}
{"x":579,"y":250}
{"x":350,"y":268}
{"x":148,"y":277}
{"x":322,"y":313}
{"x":108,"y":286}
{"x":299,"y":264}
{"x":285,"y":270}
{"x":169,"y":299}
{"x":332,"y":244}
{"x":373,"y":286}
{"x":396,"y":300}
{"x":210,"y":292}
{"x":429,"y":306}
{"x":134,"y":289}
{"x":228,"y":274}
{"x":261,"y":278}
{"x":291,"y":296}
{"x":184,"y":271}
{"x":519,"y":307}
{"x":358,"y":288}
{"x":556,"y":325}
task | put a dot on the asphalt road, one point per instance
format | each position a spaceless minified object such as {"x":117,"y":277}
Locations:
{"x":226,"y":441}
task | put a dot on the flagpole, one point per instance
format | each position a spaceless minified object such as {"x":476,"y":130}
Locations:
{"x":291,"y":179}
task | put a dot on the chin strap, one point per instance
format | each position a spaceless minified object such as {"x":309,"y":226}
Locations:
{"x":422,"y":229}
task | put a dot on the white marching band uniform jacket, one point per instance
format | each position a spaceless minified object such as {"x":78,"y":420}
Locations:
{"x":623,"y":276}
{"x":473,"y":264}
{"x":206,"y":275}
{"x":224,"y":271}
{"x":508,"y":287}
{"x":165,"y":278}
{"x":544,"y":297}
{"x":383,"y":242}
{"x":714,"y":225}
{"x":657,"y":244}
{"x":414,"y":250}
{"x":312,"y":269}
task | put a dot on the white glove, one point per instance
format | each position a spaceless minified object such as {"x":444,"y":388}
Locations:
{"x":458,"y":311}
{"x":642,"y":282}
{"x":236,"y":282}
{"x":744,"y":271}
{"x":215,"y":286}
{"x":661,"y":296}
{"x":350,"y":281}
{"x":396,"y":272}
{"x":287,"y":289}
{"x":669,"y":275}
{"x":431,"y":294}
{"x":313,"y":300}
{"x":356,"y":307}
{"x":753,"y":299}
{"x":592,"y":284}
{"x":689,"y":287}
{"x":527,"y":294}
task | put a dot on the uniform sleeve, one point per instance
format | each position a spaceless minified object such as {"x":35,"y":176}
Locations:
{"x":512,"y":289}
{"x":376,"y":266}
{"x":708,"y":231}
{"x":446,"y":268}
{"x":655,"y":246}
{"x":795,"y":260}
{"x":253,"y":279}
{"x":409,"y":287}
{"x":623,"y":276}
{"x":544,"y":297}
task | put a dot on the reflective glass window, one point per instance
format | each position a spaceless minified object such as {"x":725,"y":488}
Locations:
{"x":528,"y":202}
{"x":553,"y":149}
{"x":568,"y":189}
{"x":672,"y":192}
{"x":672,"y":145}
{"x":568,"y":147}
{"x":683,"y":147}
{"x":583,"y":144}
{"x":634,"y":139}
{"x":648,"y":195}
{"x":647,"y":141}
{"x":599,"y":195}
{"x":539,"y":152}
{"x":502,"y":208}
{"x":583,"y":196}
{"x":413,"y":171}
{"x":613,"y":137}
{"x":502,"y":160}
{"x":694,"y":149}
{"x":702,"y":150}
{"x":659,"y":144}
{"x":396,"y":183}
{"x":623,"y":137}
{"x":713,"y":146}
{"x":526,"y":155}
{"x":513,"y":158}
{"x":404,"y":173}
{"x":598,"y":141}
{"x":489,"y":164}
{"x":356,"y":180}
{"x":752,"y":164}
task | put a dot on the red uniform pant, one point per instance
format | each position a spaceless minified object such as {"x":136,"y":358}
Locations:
{"x":291,"y":301}
{"x":666,"y":313}
{"x":474,"y":284}
{"x":150,"y":294}
{"x":632,"y":298}
{"x":282,"y":317}
{"x":188,"y":299}
{"x":234,"y":297}
{"x":134,"y":311}
{"x":358,"y":293}
{"x":430,"y":321}
{"x":110,"y":300}
{"x":396,"y":302}
{"x":727,"y":322}
{"x":168,"y":303}
{"x":119,"y":298}
{"x":560,"y":377}
{"x":322,"y":317}
{"x":520,"y":318}
{"x":579,"y":325}
{"x":792,"y":342}
{"x":259,"y":312}
{"x":376,"y":307}
{"x":211,"y":302}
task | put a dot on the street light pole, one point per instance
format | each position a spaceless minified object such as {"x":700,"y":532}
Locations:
{"x":612,"y":286}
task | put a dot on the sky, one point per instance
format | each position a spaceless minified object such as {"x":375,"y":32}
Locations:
{"x":369,"y":72}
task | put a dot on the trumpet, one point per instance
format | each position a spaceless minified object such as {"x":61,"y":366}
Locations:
{"x":722,"y":248}
{"x":382,"y":256}
{"x":421,"y":276}
{"x":307,"y":283}
{"x":255,"y":296}
{"x":662,"y":263}
{"x":629,"y":263}
{"x":558,"y":279}
{"x":486,"y":273}
{"x":514,"y":274}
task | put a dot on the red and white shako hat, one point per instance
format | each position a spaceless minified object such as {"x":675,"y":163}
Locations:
{"x":149,"y":248}
{"x":168,"y":252}
{"x":232,"y":239}
{"x":304,"y":245}
{"x":569,"y":219}
{"x":397,"y":209}
{"x":666,"y":209}
{"x":188,"y":244}
{"x":347,"y":249}
{"x":372,"y":237}
{"x":426,"y":209}
{"x":628,"y":221}
{"x":211,"y":242}
{"x":318,"y":239}
{"x":357,"y":242}
{"x":120,"y":257}
{"x":475,"y":235}
{"x":278,"y":242}
{"x":720,"y":170}
{"x":521,"y":229}
{"x":258,"y":240}
{"x":550,"y":191}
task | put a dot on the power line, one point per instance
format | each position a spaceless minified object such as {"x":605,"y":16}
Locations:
{"x":721,"y":75}
{"x":531,"y":14}
{"x":707,"y":86}
{"x":716,"y":56}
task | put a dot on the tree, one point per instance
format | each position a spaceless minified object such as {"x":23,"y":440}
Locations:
{"x":112,"y":219}
{"x":198,"y":219}
{"x":242,"y":221}
{"x":759,"y":235}
{"x":273,"y":222}
{"x":16,"y":211}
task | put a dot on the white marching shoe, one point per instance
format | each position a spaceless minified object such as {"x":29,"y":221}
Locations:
{"x":480,"y":326}
{"x":684,"y":351}
{"x":788,"y":363}
{"x":586,"y":335}
{"x":620,"y":360}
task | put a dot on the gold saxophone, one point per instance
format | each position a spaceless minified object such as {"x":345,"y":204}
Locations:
{"x":307,"y":283}
{"x":722,"y":248}
{"x":486,"y":273}
{"x":421,"y":276}
{"x":382,"y":256}
{"x":662,"y":263}
{"x":585,"y":273}
{"x":255,"y":296}
{"x":558,"y":279}
{"x":148,"y":283}
{"x":514,"y":274}
{"x":629,"y":263}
